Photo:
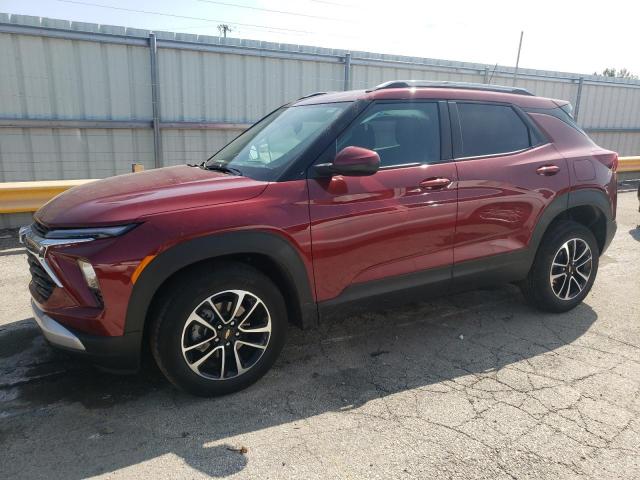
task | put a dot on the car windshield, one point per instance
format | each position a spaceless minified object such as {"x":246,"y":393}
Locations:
{"x":270,"y":146}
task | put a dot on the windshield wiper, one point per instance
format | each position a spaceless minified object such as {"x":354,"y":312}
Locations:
{"x":220,"y":168}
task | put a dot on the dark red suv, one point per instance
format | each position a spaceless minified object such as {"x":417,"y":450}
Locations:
{"x":412,"y":187}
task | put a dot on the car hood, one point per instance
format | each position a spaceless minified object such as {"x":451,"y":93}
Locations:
{"x":126,"y":198}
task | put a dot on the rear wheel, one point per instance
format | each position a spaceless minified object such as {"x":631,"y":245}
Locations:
{"x":220,"y":330}
{"x":564,"y":269}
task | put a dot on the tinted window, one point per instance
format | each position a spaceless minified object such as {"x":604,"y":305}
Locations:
{"x":491,"y":129}
{"x":400,"y":133}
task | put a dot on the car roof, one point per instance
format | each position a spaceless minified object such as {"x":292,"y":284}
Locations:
{"x":403,"y":90}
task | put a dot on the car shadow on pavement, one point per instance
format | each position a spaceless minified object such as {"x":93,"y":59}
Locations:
{"x":74,"y":422}
{"x":635,"y":233}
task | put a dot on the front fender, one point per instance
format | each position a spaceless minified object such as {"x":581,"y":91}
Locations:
{"x":209,"y":247}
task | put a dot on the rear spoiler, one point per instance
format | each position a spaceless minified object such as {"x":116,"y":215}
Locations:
{"x":565,"y":105}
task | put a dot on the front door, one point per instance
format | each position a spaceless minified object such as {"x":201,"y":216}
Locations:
{"x":398,"y":221}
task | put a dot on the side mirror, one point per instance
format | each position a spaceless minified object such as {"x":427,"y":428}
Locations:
{"x":351,"y":162}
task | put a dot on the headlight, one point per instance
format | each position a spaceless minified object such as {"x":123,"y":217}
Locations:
{"x":89,"y":233}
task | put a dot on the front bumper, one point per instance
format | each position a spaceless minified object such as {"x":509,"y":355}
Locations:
{"x":55,"y":333}
{"x":59,"y":285}
{"x":121,"y":354}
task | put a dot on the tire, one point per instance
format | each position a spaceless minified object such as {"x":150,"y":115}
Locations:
{"x":544,"y":288}
{"x":186,"y":321}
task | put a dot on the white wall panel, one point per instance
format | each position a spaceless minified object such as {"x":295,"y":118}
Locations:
{"x":66,"y":79}
{"x":626,"y":144}
{"x":193,"y":146}
{"x":605,"y":106}
{"x":54,"y":154}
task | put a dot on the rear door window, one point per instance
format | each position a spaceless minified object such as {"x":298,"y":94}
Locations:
{"x":491,"y":130}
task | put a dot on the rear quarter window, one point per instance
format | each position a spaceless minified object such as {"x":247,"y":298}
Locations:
{"x":491,"y":129}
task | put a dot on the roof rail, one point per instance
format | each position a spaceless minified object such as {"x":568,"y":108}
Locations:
{"x":460,"y":85}
{"x":314,"y":94}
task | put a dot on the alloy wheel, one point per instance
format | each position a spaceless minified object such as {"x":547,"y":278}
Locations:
{"x":571,"y":269}
{"x":226,"y":334}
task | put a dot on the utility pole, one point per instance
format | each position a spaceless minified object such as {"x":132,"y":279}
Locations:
{"x":223,"y":28}
{"x":515,"y":72}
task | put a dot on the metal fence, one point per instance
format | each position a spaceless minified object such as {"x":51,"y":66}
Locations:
{"x":81,"y":100}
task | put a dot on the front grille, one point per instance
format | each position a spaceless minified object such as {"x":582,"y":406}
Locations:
{"x":41,"y":282}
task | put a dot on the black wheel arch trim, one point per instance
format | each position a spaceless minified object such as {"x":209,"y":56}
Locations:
{"x":576,"y":198}
{"x":210,"y":247}
{"x":600,"y":200}
{"x":593,"y":197}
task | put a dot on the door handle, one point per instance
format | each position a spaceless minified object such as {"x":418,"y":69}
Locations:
{"x":548,"y":170}
{"x":435,"y":183}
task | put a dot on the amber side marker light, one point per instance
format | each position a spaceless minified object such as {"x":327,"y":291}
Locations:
{"x":141,"y":266}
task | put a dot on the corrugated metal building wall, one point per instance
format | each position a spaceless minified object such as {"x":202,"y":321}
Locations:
{"x":76,"y":99}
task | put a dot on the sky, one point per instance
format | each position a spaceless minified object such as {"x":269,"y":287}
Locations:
{"x":570,"y":36}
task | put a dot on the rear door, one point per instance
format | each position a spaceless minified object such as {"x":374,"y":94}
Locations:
{"x":507,"y":174}
{"x":398,"y":221}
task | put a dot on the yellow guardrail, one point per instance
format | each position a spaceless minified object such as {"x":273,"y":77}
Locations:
{"x":629,"y":164}
{"x":17,"y":197}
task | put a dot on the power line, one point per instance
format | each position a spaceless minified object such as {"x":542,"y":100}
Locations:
{"x":263,"y":28}
{"x":270,"y":10}
{"x":250,"y":26}
{"x":87,"y":4}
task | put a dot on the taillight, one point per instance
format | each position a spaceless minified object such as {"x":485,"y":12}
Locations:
{"x":609,"y":160}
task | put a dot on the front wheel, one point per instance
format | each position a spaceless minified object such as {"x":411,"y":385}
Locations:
{"x":564,"y":268}
{"x":220,"y":330}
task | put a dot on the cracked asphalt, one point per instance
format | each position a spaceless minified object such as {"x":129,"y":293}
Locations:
{"x":477,"y":385}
